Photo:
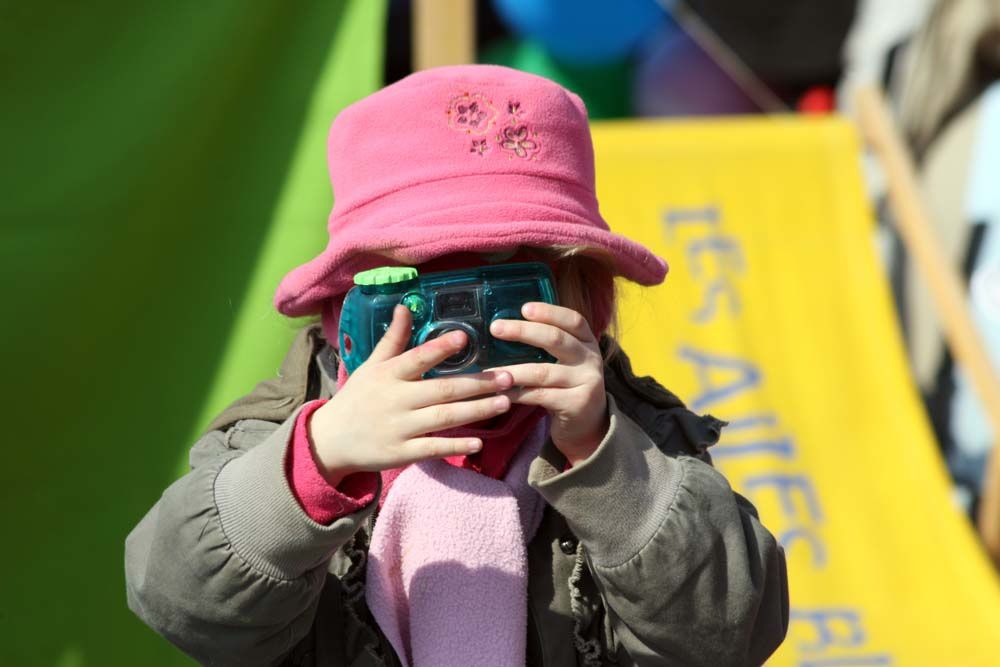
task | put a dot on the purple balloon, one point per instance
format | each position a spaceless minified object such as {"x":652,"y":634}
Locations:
{"x":676,"y":77}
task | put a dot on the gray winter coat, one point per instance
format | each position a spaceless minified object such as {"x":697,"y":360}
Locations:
{"x":645,"y":555}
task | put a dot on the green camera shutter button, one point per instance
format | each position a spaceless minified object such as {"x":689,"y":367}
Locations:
{"x":416,"y":305}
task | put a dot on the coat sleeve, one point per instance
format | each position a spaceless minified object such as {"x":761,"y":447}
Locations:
{"x":688,"y":574}
{"x":226,"y":565}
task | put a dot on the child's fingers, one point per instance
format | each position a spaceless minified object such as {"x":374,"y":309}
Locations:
{"x":448,"y":415}
{"x":560,"y":344}
{"x":459,"y":387}
{"x":566,"y":319}
{"x":421,"y":449}
{"x":412,"y":364}
{"x":549,"y":398}
{"x":541,"y":375}
{"x":396,"y":338}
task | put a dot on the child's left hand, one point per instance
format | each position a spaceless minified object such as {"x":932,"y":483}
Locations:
{"x":573,"y":390}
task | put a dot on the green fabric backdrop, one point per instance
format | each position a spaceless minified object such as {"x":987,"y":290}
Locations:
{"x":163,"y":165}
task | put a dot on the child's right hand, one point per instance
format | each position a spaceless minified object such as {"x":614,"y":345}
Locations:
{"x":380,"y":418}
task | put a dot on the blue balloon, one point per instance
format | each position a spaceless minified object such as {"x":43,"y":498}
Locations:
{"x":583,"y":32}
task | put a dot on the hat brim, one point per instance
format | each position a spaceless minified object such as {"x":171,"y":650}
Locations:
{"x":425,"y":221}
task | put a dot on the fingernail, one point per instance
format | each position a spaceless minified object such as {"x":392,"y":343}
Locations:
{"x":497,"y":327}
{"x":456,"y":338}
{"x":473,"y":446}
{"x":528,"y":309}
{"x":504,"y":380}
{"x":501,"y":402}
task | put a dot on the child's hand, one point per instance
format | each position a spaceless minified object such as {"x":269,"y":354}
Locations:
{"x":573,"y":390}
{"x":379,"y":419}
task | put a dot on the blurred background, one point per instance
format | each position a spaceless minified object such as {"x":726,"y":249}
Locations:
{"x":164,"y":166}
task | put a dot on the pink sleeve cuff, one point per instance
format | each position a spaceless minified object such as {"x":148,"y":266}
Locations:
{"x":323,"y":503}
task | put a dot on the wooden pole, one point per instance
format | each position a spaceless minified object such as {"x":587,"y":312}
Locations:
{"x":444,"y":33}
{"x":947,"y":291}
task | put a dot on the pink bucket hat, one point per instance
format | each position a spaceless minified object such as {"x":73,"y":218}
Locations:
{"x":455,"y":159}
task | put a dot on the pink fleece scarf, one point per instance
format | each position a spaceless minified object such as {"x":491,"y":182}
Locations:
{"x":447,"y":570}
{"x":447,"y":573}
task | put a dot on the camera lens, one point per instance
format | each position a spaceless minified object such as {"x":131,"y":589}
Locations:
{"x":457,"y":359}
{"x":463,"y":357}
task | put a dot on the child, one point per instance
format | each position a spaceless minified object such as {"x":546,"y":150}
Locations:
{"x":541,"y":514}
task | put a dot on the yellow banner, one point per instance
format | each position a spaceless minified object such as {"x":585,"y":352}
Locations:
{"x":776,"y":317}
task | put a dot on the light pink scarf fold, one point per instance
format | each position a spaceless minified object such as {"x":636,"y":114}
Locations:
{"x":448,"y":567}
{"x":447,"y":573}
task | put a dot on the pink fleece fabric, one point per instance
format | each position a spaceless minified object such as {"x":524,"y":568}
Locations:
{"x":472,"y":157}
{"x":442,"y":532}
{"x":447,"y":569}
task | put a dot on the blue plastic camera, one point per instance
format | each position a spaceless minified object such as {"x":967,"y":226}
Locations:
{"x":466,"y":299}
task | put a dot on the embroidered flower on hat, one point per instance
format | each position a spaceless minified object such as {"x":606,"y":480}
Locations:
{"x":480,"y":147}
{"x":519,"y":140}
{"x":471,"y":113}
